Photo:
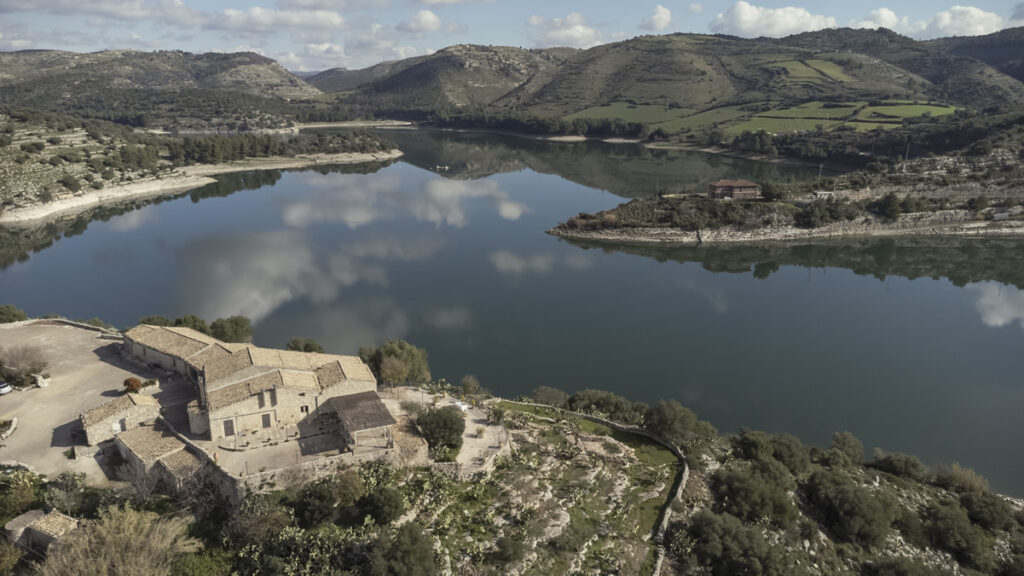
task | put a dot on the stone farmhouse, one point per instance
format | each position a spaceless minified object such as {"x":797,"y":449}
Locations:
{"x":154,"y":449}
{"x":119,"y":415}
{"x":248,"y":390}
{"x":734,"y":189}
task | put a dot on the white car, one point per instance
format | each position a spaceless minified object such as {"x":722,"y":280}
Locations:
{"x":5,"y":388}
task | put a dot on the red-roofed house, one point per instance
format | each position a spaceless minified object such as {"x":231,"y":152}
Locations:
{"x":736,"y":189}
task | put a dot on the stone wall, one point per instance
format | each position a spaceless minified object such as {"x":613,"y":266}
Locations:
{"x":148,"y":356}
{"x":132,"y":418}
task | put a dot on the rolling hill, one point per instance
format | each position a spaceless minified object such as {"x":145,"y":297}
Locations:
{"x":684,"y":80}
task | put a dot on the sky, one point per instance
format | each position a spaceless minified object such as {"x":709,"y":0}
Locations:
{"x":307,"y":35}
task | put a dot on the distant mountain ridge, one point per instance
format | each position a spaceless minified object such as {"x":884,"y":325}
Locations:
{"x":696,"y":72}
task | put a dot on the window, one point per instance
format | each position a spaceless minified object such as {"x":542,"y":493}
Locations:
{"x":229,"y":427}
{"x":266,"y":420}
{"x":304,"y":409}
{"x":273,"y":396}
{"x":260,"y":400}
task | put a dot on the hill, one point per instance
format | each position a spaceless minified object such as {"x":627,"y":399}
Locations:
{"x":1001,"y":50}
{"x":146,"y":88}
{"x":457,"y":76}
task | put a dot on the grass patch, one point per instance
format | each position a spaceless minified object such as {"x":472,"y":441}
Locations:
{"x":777,"y":125}
{"x":831,"y":69}
{"x":704,"y":119}
{"x":897,"y":112}
{"x":800,"y":72}
{"x":816,"y":110}
{"x":645,"y":113}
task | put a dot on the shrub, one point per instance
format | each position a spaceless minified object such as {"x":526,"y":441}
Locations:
{"x":442,"y":427}
{"x":756,"y":492}
{"x":988,"y":510}
{"x":55,"y":140}
{"x":132,"y":384}
{"x":852,"y":513}
{"x":414,"y":360}
{"x":550,"y":396}
{"x":410,"y":552}
{"x":960,"y":479}
{"x":949,"y":528}
{"x":901,"y":567}
{"x":384,"y":505}
{"x":495,"y":414}
{"x":679,"y":425}
{"x":469,"y":384}
{"x":612,"y":405}
{"x":724,"y":546}
{"x":902,"y":465}
{"x":9,"y":313}
{"x":257,"y":520}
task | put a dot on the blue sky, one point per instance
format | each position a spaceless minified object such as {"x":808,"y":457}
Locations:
{"x":319,"y":34}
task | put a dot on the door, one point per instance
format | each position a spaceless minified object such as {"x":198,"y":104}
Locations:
{"x":229,"y":427}
{"x":266,"y":420}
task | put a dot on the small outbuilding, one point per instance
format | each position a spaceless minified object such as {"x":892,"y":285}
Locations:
{"x":120,"y":415}
{"x":38,"y":530}
{"x":360,"y":413}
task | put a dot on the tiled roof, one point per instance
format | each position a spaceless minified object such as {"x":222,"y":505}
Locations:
{"x":239,"y":391}
{"x":150,"y":443}
{"x":116,"y":406}
{"x":363,"y":411}
{"x":54,"y":524}
{"x":181,"y":463}
{"x":178,"y":342}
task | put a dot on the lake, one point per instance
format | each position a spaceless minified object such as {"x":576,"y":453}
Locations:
{"x":912,"y":345}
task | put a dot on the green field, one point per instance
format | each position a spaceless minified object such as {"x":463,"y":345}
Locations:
{"x":704,"y":119}
{"x":830,"y":69}
{"x":648,"y":114}
{"x":778,"y":125}
{"x":897,"y":113}
{"x":815,"y":110}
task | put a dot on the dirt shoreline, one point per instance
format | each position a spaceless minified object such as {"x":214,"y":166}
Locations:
{"x":669,"y":236}
{"x":181,"y":180}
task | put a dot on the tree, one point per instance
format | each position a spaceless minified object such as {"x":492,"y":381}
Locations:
{"x":469,"y":385}
{"x":760,"y":491}
{"x":121,"y":541}
{"x":305,"y":345}
{"x":723,"y":545}
{"x":316,"y":504}
{"x":415,"y":359}
{"x":678,"y":424}
{"x":948,"y":527}
{"x":550,"y":396}
{"x":232,"y":329}
{"x":393,"y":370}
{"x":10,"y":555}
{"x":852,"y":513}
{"x":194,"y":322}
{"x":772,"y":191}
{"x":384,"y":505}
{"x":347,"y":487}
{"x":409,"y":552}
{"x":442,"y":427}
{"x":848,"y":445}
{"x":156,"y":320}
{"x":889,"y":207}
{"x":9,"y":313}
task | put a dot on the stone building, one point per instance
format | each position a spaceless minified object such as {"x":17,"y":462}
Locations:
{"x":735,"y":189}
{"x":247,"y":390}
{"x":38,"y":530}
{"x":120,"y":415}
{"x":154,"y":449}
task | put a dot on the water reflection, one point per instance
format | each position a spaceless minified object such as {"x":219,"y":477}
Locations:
{"x":357,"y":202}
{"x":254,"y":274}
{"x":999,"y":305}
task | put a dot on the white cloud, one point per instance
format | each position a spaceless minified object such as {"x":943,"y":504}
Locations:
{"x":336,"y":5}
{"x":962,"y":21}
{"x":695,"y":7}
{"x":745,"y":19}
{"x":715,"y":297}
{"x":999,"y":305}
{"x":443,"y":2}
{"x":883,"y":18}
{"x":262,"y":19}
{"x":423,"y":21}
{"x":659,"y":20}
{"x":569,"y":31}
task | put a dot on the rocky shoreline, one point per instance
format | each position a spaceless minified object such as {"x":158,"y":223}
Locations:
{"x":945,"y":222}
{"x":182,"y":180}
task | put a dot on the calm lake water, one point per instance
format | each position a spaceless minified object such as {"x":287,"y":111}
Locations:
{"x":914,"y":346}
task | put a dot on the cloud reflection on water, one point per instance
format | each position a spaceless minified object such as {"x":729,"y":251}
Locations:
{"x":359,"y":201}
{"x":255,"y":273}
{"x":998,"y":304}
